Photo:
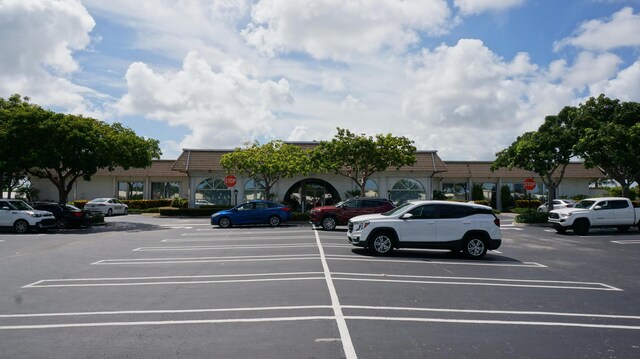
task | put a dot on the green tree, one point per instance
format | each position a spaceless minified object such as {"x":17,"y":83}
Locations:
{"x":610,"y":138}
{"x":12,"y":171}
{"x":63,"y":148}
{"x":546,"y":152}
{"x":358,"y":157}
{"x":267,"y":164}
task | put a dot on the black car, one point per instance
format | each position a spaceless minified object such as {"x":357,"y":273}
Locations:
{"x":66,"y":214}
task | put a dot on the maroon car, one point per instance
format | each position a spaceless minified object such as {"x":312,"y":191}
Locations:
{"x":330,"y":216}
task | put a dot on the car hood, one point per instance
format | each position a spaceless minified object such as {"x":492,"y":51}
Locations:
{"x":569,"y":210}
{"x":38,"y":212}
{"x":368,"y":217}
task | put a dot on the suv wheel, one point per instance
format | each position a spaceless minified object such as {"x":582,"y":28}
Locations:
{"x":329,"y":223}
{"x":474,"y":247}
{"x":21,"y":226}
{"x":381,"y":243}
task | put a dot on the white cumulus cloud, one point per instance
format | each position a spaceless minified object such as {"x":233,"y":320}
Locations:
{"x":221,"y":108}
{"x":39,"y":39}
{"x":342,"y":29}
{"x":622,"y":30}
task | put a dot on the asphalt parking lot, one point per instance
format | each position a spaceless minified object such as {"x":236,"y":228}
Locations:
{"x":144,"y":287}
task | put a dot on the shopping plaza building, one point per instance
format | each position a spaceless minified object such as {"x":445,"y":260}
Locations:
{"x":198,"y":176}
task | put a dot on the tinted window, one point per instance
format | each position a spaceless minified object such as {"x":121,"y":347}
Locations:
{"x":261,"y":205}
{"x":619,"y":204}
{"x":353,"y":204}
{"x":424,"y":212}
{"x":453,"y":211}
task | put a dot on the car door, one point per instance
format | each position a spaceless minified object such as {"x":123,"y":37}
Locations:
{"x":353,"y":208}
{"x":5,"y":214}
{"x":603,"y":214}
{"x":244,"y":214}
{"x":261,"y":213}
{"x":453,"y":222}
{"x":421,"y":226}
{"x":624,"y":213}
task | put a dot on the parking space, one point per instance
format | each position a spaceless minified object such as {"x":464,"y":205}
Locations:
{"x":166,"y":287}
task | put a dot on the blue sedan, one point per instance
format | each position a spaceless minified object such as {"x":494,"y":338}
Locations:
{"x":254,"y":212}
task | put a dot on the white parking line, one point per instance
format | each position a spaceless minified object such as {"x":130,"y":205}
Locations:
{"x":345,"y":337}
{"x":475,"y":281}
{"x":242,"y":246}
{"x":198,"y":279}
{"x":224,"y":239}
{"x":632,"y":241}
{"x":569,"y":318}
{"x":186,"y":260}
{"x":427,"y":261}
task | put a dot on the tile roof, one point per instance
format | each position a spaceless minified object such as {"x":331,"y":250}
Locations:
{"x":209,"y":160}
{"x":158,"y":168}
{"x":480,"y":169}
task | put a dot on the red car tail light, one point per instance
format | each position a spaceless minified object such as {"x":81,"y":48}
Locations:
{"x":497,"y":221}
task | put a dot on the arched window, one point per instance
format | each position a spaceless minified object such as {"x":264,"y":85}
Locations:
{"x":405,"y":190}
{"x":371,"y":188}
{"x":213,"y":191}
{"x":253,"y":190}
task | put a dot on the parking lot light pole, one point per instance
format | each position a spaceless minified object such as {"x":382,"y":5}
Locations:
{"x":235,"y":194}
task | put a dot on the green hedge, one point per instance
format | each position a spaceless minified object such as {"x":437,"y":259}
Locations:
{"x":532,"y":217}
{"x":525,"y":203}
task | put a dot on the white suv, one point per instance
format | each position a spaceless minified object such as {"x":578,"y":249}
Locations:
{"x":19,"y":215}
{"x":467,"y":227}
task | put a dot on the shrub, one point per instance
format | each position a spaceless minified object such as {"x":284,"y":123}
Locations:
{"x":525,"y":203}
{"x":506,"y":200}
{"x":617,"y":192}
{"x":179,"y":202}
{"x":439,"y":195}
{"x":532,"y":217}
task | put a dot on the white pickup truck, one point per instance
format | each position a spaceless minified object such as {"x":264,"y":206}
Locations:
{"x":596,"y":212}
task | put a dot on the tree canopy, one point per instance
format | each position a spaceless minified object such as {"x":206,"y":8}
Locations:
{"x":64,"y":147}
{"x":610,"y":138}
{"x":266,"y":164}
{"x":545,"y":152}
{"x":358,"y":157}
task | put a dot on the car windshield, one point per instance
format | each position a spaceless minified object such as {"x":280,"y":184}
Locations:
{"x":584,"y":204}
{"x":342,"y":203}
{"x":19,"y":205}
{"x":99,"y":200}
{"x":73,"y":208}
{"x":397,"y":209}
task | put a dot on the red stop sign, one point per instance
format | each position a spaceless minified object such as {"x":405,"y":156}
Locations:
{"x":230,"y":181}
{"x":529,"y":184}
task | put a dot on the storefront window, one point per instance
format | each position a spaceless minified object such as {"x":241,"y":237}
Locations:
{"x":455,"y":191}
{"x":254,"y":191}
{"x":130,"y":190}
{"x":213,"y":191}
{"x":371,"y":189}
{"x":405,"y":190}
{"x":161,"y":190}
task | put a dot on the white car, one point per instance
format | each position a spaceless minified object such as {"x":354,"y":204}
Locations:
{"x":108,"y":206}
{"x":467,"y":227}
{"x":557,"y":203}
{"x":22,"y":217}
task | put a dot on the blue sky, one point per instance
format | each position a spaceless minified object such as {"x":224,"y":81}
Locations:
{"x":463,"y":77}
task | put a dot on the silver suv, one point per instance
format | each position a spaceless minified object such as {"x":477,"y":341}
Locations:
{"x":19,"y":215}
{"x":467,"y":227}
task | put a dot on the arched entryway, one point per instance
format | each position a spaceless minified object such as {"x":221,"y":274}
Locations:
{"x":309,"y":193}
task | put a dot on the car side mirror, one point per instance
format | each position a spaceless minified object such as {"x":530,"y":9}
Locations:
{"x":406,"y":216}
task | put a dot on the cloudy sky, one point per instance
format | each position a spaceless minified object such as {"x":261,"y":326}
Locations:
{"x":463,"y":77}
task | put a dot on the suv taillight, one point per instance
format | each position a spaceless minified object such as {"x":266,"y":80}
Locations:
{"x":496,"y":221}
